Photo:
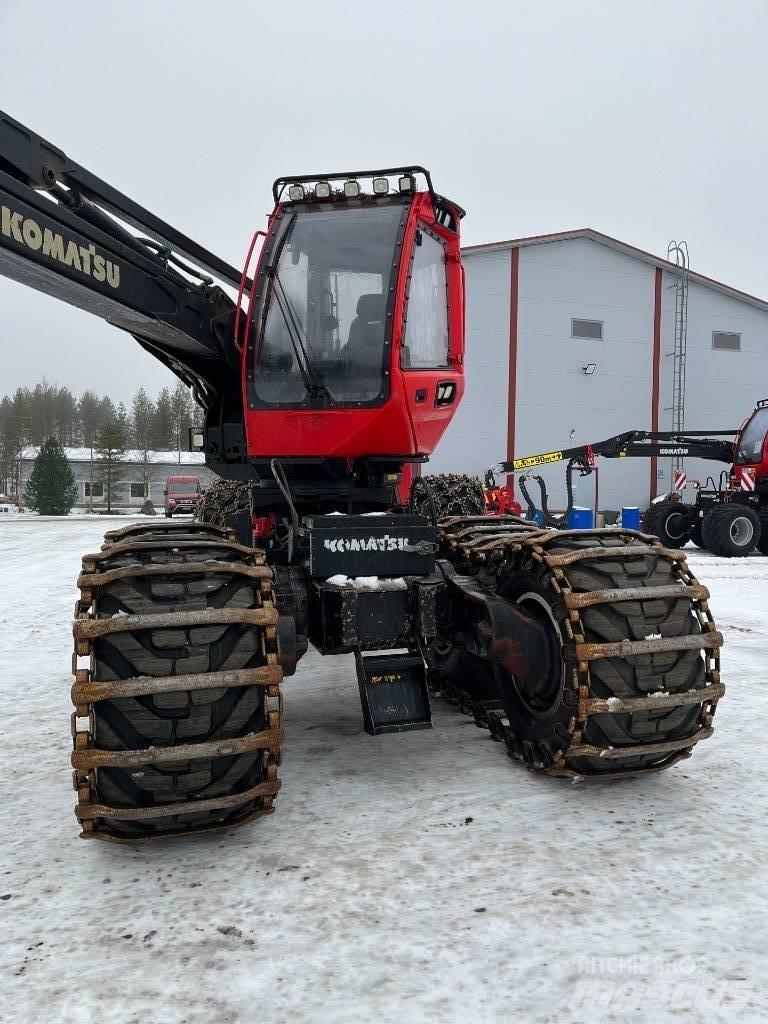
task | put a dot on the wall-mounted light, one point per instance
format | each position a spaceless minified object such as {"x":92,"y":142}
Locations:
{"x":589,"y":368}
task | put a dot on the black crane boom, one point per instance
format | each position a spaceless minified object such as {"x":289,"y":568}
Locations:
{"x":59,"y":234}
{"x":647,"y":444}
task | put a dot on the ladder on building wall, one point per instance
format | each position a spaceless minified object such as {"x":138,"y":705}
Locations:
{"x":677,"y":253}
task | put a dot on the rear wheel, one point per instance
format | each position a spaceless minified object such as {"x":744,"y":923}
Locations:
{"x":670,"y":521}
{"x":732,"y":531}
{"x":762,"y":543}
{"x":180,"y":628}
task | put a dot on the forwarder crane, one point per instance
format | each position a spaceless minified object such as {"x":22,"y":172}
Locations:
{"x":325,"y":375}
{"x":729,"y":518}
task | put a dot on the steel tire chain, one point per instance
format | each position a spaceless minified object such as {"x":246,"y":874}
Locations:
{"x":87,"y":757}
{"x":222,"y":499}
{"x":512,"y":538}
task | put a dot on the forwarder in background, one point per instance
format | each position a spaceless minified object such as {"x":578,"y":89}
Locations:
{"x":334,"y":373}
{"x":728,"y":518}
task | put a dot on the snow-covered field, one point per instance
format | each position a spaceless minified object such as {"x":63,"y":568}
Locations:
{"x":420,"y":877}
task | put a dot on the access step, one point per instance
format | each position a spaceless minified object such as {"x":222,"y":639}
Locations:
{"x":393,"y":692}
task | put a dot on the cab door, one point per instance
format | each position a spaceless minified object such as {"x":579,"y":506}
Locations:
{"x":431,"y":354}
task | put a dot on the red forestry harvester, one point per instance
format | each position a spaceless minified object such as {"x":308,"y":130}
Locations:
{"x":334,"y":371}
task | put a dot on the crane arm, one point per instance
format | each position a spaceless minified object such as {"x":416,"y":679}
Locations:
{"x":62,"y":232}
{"x":693,"y":444}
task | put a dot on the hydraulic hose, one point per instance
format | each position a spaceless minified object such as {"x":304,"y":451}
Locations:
{"x":558,"y":522}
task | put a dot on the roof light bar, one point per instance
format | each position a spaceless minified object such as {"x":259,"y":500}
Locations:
{"x":405,"y":177}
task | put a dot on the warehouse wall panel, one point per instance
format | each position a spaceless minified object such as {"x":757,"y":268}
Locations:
{"x":477,"y":435}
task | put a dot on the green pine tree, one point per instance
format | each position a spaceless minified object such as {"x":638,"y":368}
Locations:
{"x":109,"y":445}
{"x":51,"y":489}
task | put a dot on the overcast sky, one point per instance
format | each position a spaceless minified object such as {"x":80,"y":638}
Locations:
{"x":643,"y":119}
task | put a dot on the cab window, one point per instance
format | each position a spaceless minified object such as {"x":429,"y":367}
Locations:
{"x":750,"y":448}
{"x":425,"y":343}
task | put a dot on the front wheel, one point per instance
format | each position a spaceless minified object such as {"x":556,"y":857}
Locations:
{"x":731,"y":531}
{"x":670,"y":521}
{"x":181,"y":693}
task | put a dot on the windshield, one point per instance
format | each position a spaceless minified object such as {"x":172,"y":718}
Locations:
{"x":327,"y":302}
{"x":184,"y":487}
{"x":750,"y":448}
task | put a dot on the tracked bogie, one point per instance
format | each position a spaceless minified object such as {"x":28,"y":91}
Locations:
{"x":181,"y":693}
{"x":640,"y":651}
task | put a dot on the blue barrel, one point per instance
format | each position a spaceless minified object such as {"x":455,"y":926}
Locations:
{"x":630,"y":518}
{"x":581,"y":519}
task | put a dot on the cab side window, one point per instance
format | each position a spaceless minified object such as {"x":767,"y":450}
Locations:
{"x":425,"y":344}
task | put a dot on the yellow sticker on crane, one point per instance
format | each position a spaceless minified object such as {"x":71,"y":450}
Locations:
{"x":537,"y":460}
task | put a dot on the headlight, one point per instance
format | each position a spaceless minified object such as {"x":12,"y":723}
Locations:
{"x":323,"y":190}
{"x":296,"y":193}
{"x":351,"y":189}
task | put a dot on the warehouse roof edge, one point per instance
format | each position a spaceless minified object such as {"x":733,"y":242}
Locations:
{"x":617,"y":244}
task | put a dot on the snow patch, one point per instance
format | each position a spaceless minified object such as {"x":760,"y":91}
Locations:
{"x":359,"y":513}
{"x":653,"y":636}
{"x":368,"y":582}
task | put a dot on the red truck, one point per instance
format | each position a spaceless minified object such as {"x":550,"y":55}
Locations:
{"x":181,"y":494}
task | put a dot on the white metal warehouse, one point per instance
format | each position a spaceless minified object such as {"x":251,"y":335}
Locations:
{"x":569,"y":341}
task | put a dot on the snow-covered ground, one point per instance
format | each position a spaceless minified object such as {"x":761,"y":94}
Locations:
{"x":420,"y":877}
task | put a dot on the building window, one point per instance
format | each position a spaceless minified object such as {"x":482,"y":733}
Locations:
{"x":137,"y":490}
{"x":94,"y":490}
{"x":726,"y":340}
{"x":592,"y":329}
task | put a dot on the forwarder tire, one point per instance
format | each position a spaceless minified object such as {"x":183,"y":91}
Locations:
{"x":762,"y":543}
{"x":670,"y":521}
{"x":731,"y":531}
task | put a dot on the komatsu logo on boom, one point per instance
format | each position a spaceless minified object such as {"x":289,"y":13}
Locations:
{"x":84,"y":258}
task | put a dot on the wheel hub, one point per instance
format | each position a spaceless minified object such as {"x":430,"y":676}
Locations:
{"x":742,"y":531}
{"x":541,"y":690}
{"x":676,"y":525}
